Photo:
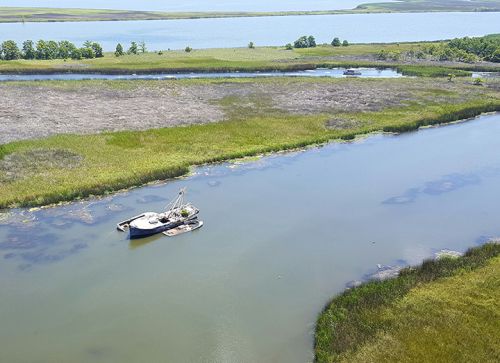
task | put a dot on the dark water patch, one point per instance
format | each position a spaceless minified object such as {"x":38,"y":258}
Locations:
{"x":446,"y":184}
{"x":214,"y":183}
{"x":38,"y":247}
{"x":408,"y":197}
{"x":150,"y":198}
{"x":23,"y":241}
{"x":98,"y":352}
{"x":450,"y":183}
{"x":46,"y":256}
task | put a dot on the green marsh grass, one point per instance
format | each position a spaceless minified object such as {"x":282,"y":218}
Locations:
{"x":244,"y":59}
{"x":115,"y":160}
{"x":444,"y":310}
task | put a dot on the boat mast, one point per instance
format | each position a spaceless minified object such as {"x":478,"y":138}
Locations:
{"x":178,"y":202}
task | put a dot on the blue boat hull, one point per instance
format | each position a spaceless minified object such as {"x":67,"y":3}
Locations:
{"x":140,"y":233}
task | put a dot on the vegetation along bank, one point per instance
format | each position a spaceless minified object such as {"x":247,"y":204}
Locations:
{"x":445,"y":310}
{"x":84,"y":145}
{"x":457,"y":57}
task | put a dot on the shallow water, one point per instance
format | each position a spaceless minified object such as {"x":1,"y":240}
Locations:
{"x":282,"y":235}
{"x":320,"y":72}
{"x":237,"y":32}
{"x":485,"y":74}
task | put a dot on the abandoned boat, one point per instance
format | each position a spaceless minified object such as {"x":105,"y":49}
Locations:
{"x":187,"y":226}
{"x":149,"y":223}
{"x":352,"y":72}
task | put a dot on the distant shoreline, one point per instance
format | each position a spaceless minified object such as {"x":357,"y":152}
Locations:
{"x":40,"y":15}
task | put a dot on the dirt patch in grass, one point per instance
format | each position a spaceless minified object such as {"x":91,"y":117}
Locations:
{"x":349,"y":96}
{"x":38,"y":109}
{"x":341,"y":124}
{"x":22,"y":164}
{"x":28,"y":112}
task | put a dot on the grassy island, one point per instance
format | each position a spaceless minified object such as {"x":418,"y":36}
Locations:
{"x":84,"y":145}
{"x":444,"y":310}
{"x":396,"y":55}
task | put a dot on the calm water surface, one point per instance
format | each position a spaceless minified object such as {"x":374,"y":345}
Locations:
{"x":320,"y":72}
{"x":237,"y":32}
{"x":195,"y":5}
{"x":282,"y":235}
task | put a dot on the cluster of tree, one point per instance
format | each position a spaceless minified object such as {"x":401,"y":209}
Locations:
{"x":336,"y":42}
{"x":309,"y":42}
{"x":391,"y":55}
{"x":487,"y":48}
{"x":468,"y":50}
{"x":304,"y":42}
{"x":443,"y":52}
{"x":438,"y":52}
{"x":133,"y":49}
{"x":51,"y":49}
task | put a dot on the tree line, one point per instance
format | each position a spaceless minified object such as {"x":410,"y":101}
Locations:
{"x":50,"y":49}
{"x":487,"y":48}
{"x":467,"y":50}
{"x":133,"y":49}
{"x":310,"y":42}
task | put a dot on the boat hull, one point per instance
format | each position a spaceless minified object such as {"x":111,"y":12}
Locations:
{"x":185,"y":227}
{"x":141,"y":232}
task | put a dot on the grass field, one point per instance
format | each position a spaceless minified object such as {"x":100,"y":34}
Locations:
{"x":34,"y":14}
{"x":445,"y":310}
{"x":105,"y":162}
{"x":245,"y":59}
